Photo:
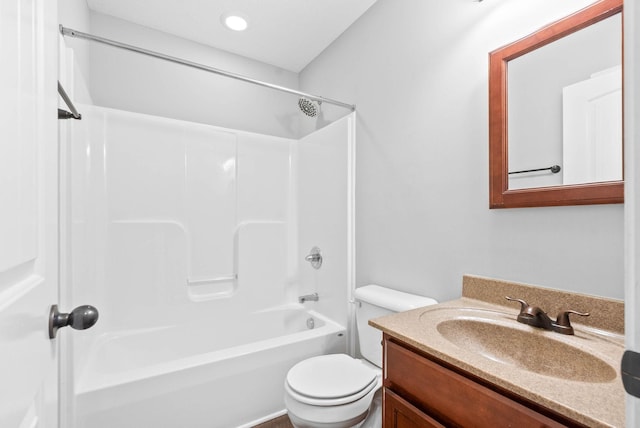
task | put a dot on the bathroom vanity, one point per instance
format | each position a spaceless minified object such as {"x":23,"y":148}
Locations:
{"x":419,"y":391}
{"x":468,"y":362}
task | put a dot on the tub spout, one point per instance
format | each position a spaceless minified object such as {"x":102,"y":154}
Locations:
{"x":308,"y":298}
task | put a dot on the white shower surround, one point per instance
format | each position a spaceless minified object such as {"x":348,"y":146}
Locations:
{"x":141,"y":193}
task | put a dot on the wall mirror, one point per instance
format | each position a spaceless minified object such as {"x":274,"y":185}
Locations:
{"x":555,"y":113}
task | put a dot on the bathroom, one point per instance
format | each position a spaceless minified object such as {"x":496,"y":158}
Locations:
{"x":417,"y":72}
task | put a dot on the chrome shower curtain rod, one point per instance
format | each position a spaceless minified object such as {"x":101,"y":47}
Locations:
{"x":80,"y":35}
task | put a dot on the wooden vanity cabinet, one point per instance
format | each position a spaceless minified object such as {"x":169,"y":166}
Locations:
{"x":421,"y":392}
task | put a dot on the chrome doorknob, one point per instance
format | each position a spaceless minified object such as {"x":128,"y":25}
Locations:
{"x":80,"y":318}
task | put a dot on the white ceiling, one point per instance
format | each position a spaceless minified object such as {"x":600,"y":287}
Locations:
{"x":285,"y":33}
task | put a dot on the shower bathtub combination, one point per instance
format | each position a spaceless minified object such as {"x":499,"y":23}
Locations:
{"x":203,"y":377}
{"x":191,"y":240}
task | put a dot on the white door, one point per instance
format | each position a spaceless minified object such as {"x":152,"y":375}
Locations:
{"x":28,"y":213}
{"x":631,"y":189}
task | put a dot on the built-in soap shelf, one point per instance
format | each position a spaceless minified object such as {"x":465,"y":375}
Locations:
{"x":205,"y":281}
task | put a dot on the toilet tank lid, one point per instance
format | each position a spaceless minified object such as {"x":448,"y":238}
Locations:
{"x":394,"y":300}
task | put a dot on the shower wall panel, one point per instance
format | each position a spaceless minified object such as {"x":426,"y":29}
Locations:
{"x":175,"y":222}
{"x":323,"y":167}
{"x":178,"y":182}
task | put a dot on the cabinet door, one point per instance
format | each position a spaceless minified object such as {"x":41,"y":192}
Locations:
{"x":453,"y":398}
{"x":399,"y":413}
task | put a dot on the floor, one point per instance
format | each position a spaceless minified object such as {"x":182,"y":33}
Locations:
{"x":281,"y":422}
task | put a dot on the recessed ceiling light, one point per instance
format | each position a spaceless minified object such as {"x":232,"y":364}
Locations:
{"x":234,"y":21}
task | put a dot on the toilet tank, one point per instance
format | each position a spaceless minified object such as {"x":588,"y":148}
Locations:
{"x":373,"y":301}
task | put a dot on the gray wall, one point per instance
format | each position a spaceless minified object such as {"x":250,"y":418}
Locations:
{"x":133,"y":82}
{"x":75,"y":14}
{"x":417,"y":70}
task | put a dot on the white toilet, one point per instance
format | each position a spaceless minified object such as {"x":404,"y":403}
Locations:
{"x":337,"y":391}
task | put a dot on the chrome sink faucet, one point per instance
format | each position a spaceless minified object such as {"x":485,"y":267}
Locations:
{"x":536,"y":317}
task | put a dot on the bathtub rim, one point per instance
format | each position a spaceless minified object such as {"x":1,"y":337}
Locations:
{"x":104,"y":381}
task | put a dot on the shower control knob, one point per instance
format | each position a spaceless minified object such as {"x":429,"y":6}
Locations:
{"x":80,"y":318}
{"x":315,"y":258}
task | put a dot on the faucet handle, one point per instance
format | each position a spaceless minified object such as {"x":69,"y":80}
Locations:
{"x":531,"y":315}
{"x":523,"y":305}
{"x":315,"y":258}
{"x":563,"y":325}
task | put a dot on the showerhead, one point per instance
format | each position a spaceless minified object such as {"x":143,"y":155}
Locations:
{"x":308,"y":107}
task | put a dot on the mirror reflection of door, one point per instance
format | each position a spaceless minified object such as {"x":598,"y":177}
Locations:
{"x":592,"y":131}
{"x":565,"y":109}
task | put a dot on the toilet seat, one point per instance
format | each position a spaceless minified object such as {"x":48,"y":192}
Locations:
{"x":330,"y":380}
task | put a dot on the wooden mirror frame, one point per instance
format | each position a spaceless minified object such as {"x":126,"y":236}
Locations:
{"x":500,"y":196}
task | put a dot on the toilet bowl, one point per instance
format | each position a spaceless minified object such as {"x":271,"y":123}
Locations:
{"x":331,"y":391}
{"x":337,"y":390}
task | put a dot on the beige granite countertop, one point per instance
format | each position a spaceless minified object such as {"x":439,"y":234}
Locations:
{"x":595,"y":402}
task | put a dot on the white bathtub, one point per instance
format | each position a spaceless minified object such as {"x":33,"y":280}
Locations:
{"x":200,"y":376}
